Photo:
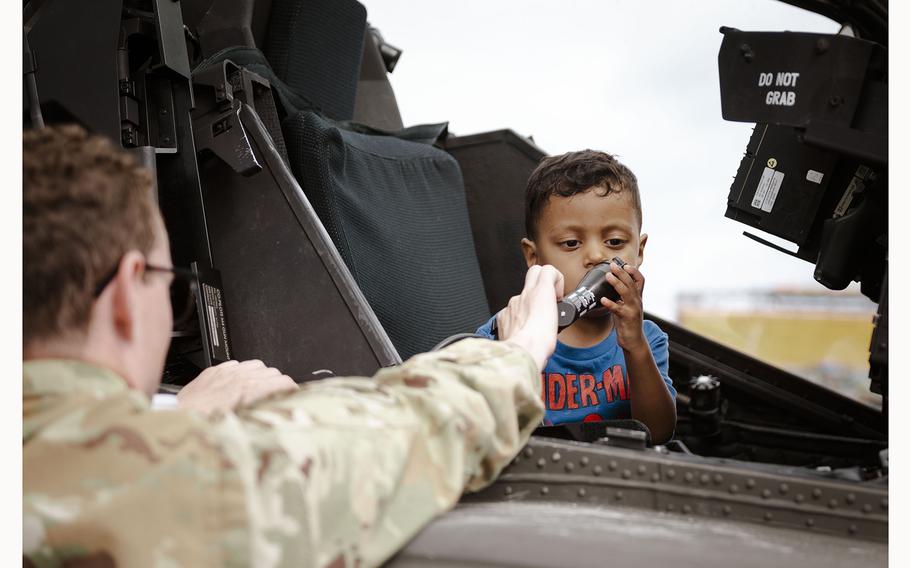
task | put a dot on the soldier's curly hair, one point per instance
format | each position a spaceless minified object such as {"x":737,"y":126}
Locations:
{"x":573,"y":173}
{"x":85,"y":204}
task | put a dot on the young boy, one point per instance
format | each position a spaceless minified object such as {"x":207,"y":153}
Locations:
{"x":582,"y":208}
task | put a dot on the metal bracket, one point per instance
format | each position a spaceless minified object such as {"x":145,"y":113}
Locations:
{"x":223,"y":135}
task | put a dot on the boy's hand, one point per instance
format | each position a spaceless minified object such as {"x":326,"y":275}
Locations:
{"x":628,"y":313}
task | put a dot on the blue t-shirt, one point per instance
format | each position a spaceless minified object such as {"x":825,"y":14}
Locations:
{"x":585,"y":384}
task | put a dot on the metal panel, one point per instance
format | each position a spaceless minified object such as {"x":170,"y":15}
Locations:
{"x":794,"y":498}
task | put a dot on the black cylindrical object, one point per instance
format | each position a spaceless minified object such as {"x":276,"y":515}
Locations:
{"x":704,"y":404}
{"x":592,"y":288}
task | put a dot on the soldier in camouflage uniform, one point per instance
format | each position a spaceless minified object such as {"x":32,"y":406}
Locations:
{"x":342,"y":472}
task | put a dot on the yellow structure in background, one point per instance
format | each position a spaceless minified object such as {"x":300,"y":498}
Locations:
{"x":823,"y":336}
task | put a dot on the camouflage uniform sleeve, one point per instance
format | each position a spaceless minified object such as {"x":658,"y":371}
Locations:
{"x":346,"y":471}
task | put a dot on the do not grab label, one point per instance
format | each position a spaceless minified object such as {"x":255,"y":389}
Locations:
{"x":783,"y":83}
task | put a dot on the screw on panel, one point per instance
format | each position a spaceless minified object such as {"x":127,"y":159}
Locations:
{"x":851,"y":498}
{"x":570,"y":466}
{"x":734,"y":488}
{"x":746,"y":51}
{"x":541,"y":463}
{"x":867,"y":508}
{"x":584,"y":461}
{"x":529,"y":452}
{"x":642,"y":470}
{"x":670,"y":507}
{"x":516,"y":461}
{"x":612,"y":465}
{"x":508,"y":489}
{"x":687,"y":509}
{"x":705,"y":478}
{"x":884,"y":504}
{"x":598,"y":470}
{"x":766,"y":494}
{"x":626,"y":474}
{"x":810,"y":523}
{"x":727,"y":510}
{"x":556,"y":457}
{"x":783,"y":488}
{"x":718,"y":479}
{"x":582,"y":492}
{"x":689,"y":477}
{"x":544,"y":490}
{"x":655,"y":477}
{"x":768,"y":516}
{"x":750,"y":483}
{"x":816,"y":493}
{"x":852,"y":529}
{"x":799,"y":498}
{"x":671,"y":473}
{"x":832,"y":504}
{"x":822,"y":45}
{"x":619,"y":495}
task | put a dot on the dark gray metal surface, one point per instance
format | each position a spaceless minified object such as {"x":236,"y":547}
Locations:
{"x":551,"y":534}
{"x":794,"y":498}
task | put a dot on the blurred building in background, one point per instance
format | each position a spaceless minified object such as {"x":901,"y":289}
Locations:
{"x":821,"y":335}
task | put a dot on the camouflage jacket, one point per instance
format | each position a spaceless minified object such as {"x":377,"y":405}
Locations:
{"x":341,"y":473}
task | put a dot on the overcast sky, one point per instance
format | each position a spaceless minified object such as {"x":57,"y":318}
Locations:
{"x":632,"y":77}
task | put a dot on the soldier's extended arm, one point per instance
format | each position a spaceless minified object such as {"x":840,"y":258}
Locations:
{"x":353,"y":468}
{"x":346,"y":471}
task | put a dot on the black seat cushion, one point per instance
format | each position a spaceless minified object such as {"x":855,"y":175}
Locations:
{"x":396,"y":210}
{"x":315,"y":47}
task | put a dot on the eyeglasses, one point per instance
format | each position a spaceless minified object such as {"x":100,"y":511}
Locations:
{"x":183,"y":289}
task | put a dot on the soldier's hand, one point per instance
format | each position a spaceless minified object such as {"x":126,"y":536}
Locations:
{"x":231,"y":385}
{"x":530,"y":320}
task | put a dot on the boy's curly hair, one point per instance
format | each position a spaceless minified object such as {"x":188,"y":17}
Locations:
{"x":573,"y":173}
{"x":85,"y":203}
